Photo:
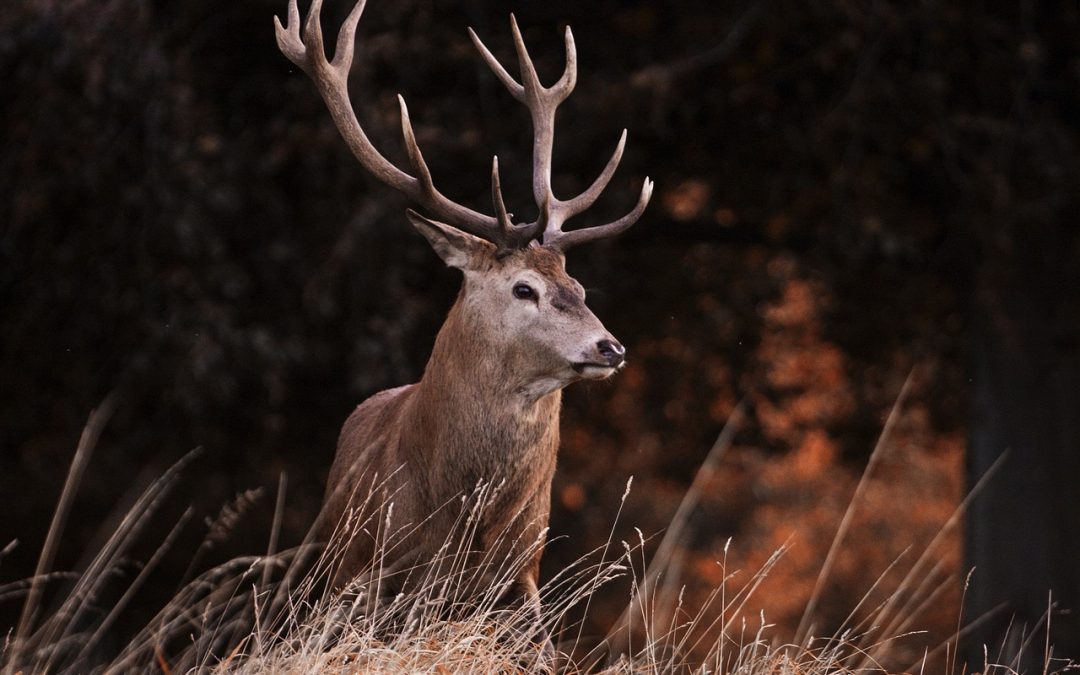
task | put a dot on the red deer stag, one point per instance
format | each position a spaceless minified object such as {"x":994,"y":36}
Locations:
{"x":487,"y":406}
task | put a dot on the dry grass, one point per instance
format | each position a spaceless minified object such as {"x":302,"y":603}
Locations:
{"x":273,"y":613}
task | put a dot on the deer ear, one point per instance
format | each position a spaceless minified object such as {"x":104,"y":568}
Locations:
{"x":457,"y":248}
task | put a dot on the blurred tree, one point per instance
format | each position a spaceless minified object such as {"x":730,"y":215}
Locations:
{"x":1019,"y":208}
{"x":1022,"y":529}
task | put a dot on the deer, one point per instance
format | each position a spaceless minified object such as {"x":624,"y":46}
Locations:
{"x":487,"y":406}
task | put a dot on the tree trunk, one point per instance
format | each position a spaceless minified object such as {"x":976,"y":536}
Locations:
{"x":1023,"y":530}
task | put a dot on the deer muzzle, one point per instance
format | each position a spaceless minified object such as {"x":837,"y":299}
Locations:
{"x":607,"y":357}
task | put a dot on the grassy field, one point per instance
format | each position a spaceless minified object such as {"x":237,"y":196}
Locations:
{"x":274,"y":613}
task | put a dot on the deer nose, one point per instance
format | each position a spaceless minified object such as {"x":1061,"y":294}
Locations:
{"x":612,"y":352}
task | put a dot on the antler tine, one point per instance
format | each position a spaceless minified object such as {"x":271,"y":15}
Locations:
{"x":346,"y":40}
{"x":512,"y":86}
{"x":513,"y":235}
{"x":501,"y":215}
{"x":313,"y":40}
{"x":568,"y":81}
{"x":416,"y":158}
{"x":529,"y":79}
{"x":586,"y":199}
{"x":564,"y":240}
{"x":331,"y":79}
{"x":288,"y":38}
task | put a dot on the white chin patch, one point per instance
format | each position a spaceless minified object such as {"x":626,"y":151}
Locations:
{"x":591,"y":371}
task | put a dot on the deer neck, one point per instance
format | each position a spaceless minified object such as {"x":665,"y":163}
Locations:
{"x":469,"y":423}
{"x":478,"y":393}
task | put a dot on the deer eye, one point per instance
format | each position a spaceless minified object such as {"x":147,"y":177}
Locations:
{"x":524,"y":292}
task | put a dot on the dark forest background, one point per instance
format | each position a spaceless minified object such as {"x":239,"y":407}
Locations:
{"x":847,"y":192}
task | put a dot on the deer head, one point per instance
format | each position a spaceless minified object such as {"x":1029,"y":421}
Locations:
{"x":517,"y":296}
{"x":525,"y":312}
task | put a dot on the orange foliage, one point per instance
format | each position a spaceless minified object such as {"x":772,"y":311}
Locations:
{"x":790,"y":476}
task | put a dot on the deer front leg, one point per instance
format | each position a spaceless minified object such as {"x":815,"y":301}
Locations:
{"x":532,"y":617}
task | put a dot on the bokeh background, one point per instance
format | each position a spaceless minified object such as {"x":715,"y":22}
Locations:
{"x":848,"y":193}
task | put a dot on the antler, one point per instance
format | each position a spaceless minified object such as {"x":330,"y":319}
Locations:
{"x":331,"y":79}
{"x":542,"y":103}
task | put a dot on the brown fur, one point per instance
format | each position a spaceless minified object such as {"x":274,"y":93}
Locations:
{"x":473,"y":417}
